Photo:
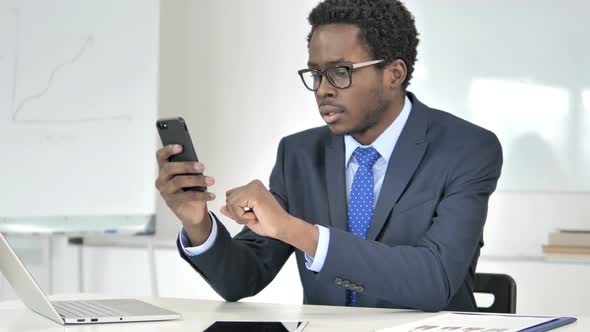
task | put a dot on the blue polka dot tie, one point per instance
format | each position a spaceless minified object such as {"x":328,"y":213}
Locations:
{"x":360,"y":201}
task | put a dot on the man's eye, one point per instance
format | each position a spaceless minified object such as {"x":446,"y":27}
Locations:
{"x":338,"y":73}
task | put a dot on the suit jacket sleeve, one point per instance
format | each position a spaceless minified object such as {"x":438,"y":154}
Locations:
{"x":427,"y":275}
{"x":243,"y":266}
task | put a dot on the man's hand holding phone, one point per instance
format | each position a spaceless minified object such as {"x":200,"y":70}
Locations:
{"x":189,"y":206}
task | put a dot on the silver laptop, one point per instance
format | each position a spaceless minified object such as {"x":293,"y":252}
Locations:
{"x":73,"y":312}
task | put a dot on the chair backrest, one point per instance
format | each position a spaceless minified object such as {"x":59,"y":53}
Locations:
{"x":502,"y":286}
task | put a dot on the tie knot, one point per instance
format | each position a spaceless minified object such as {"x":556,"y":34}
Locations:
{"x":366,"y":156}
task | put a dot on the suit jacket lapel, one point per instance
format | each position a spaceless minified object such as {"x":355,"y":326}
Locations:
{"x":336,"y":182}
{"x":406,"y":157}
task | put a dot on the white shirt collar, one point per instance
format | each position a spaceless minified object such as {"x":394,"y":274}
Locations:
{"x":385,"y":143}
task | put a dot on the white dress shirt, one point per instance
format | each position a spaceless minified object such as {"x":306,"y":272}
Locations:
{"x":186,"y":245}
{"x":384,"y":144}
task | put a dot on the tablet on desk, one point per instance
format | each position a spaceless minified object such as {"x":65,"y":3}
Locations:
{"x":258,"y":326}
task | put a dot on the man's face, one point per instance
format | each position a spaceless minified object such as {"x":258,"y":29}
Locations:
{"x":360,"y":107}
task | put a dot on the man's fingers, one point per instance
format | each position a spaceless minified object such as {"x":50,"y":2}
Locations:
{"x":238,"y":215}
{"x":172,"y":170}
{"x":226,"y":212}
{"x":237,"y":212}
{"x":163,"y":155}
{"x":231,"y":192}
{"x":195,"y":196}
{"x":249,"y":216}
{"x":166,"y":152}
{"x":184,"y":181}
{"x":236,"y":199}
{"x":252,"y":184}
{"x":198,"y":195}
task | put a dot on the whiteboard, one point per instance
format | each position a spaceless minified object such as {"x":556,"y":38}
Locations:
{"x":520,"y":69}
{"x":78,"y":104}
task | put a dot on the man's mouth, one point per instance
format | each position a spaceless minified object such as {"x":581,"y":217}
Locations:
{"x":330,"y":113}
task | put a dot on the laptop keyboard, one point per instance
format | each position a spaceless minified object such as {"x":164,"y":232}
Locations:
{"x":85,"y":309}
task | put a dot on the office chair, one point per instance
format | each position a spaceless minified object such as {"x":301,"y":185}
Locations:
{"x":502,"y":286}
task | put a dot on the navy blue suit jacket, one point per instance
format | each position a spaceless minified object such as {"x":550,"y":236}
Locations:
{"x":425,"y":238}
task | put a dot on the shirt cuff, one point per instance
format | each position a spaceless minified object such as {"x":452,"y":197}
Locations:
{"x":316,"y":263}
{"x":186,"y":244}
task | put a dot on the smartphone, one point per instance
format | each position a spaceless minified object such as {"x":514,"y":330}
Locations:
{"x":174,"y":131}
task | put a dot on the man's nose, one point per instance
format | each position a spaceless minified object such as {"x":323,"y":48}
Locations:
{"x":325,"y":89}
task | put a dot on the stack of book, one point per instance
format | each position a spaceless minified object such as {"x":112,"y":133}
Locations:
{"x":568,"y":243}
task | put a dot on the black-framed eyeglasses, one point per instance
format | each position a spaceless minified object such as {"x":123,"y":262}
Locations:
{"x":339,"y":76}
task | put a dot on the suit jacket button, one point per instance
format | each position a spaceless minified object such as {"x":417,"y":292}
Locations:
{"x":345,"y":283}
{"x":338,"y":281}
{"x":360,"y":289}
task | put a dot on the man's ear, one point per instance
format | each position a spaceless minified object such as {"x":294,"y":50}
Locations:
{"x":395,"y":73}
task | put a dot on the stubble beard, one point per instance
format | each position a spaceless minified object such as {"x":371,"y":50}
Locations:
{"x":371,"y":118}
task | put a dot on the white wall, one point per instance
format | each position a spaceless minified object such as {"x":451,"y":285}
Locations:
{"x":507,"y":67}
{"x":229,"y":67}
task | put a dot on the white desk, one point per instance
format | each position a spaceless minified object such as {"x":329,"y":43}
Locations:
{"x":198,"y":314}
